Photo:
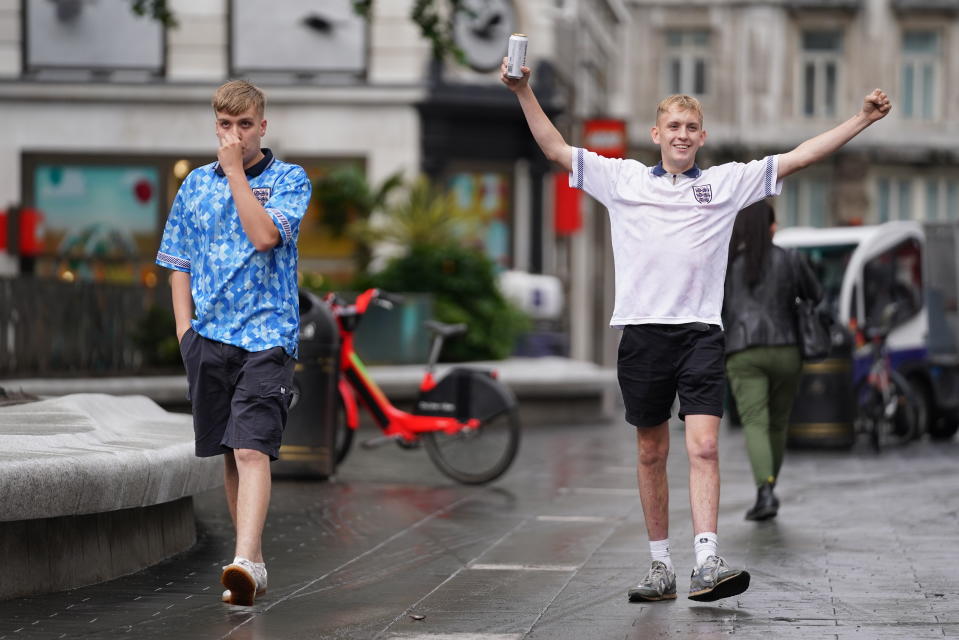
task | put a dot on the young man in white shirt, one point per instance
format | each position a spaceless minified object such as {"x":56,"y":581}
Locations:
{"x":670,"y":228}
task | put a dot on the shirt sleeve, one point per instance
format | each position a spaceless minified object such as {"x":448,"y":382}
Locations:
{"x":756,"y":181}
{"x":288,"y":202}
{"x":595,"y":174}
{"x":176,"y":246}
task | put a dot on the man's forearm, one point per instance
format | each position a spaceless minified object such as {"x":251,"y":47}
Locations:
{"x":257,"y":223}
{"x":815,"y":149}
{"x":549,"y":139}
{"x":182,"y":301}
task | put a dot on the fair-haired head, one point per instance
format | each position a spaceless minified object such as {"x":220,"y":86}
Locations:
{"x":238,"y":96}
{"x":683,"y":103}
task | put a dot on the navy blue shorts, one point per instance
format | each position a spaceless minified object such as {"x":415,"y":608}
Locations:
{"x":240,"y":398}
{"x":658,"y":360}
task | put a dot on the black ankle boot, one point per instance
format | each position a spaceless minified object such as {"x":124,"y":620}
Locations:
{"x":767,"y":504}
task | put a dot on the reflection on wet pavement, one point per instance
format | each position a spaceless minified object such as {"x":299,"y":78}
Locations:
{"x":391,"y":549}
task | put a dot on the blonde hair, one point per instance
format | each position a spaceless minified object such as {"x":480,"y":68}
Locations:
{"x":236,"y":96}
{"x":680,"y":101}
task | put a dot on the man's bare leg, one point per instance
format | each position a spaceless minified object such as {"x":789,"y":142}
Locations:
{"x":652,"y":445}
{"x":712,"y":578}
{"x":252,"y":501}
{"x":231,"y":483}
{"x":702,"y":434}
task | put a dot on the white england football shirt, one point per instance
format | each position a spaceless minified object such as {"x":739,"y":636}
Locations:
{"x":671,"y":232}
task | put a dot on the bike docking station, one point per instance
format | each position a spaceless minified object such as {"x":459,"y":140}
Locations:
{"x":468,"y":420}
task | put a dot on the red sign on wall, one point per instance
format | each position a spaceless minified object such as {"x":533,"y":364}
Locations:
{"x":567,"y":218}
{"x":605,"y":136}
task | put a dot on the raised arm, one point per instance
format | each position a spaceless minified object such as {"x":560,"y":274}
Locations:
{"x":875,"y":107}
{"x":547,"y":137}
{"x":256,"y":222}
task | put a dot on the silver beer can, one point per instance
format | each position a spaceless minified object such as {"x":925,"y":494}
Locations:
{"x":516,"y":55}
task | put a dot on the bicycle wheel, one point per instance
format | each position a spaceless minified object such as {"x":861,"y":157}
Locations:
{"x":869,"y":413}
{"x":342,"y":434}
{"x":907,"y":416}
{"x":476,"y":456}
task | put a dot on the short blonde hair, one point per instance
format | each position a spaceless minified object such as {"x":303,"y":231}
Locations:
{"x":680,"y":101}
{"x":237,"y":96}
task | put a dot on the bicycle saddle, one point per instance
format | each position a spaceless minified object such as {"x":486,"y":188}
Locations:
{"x":445,"y":330}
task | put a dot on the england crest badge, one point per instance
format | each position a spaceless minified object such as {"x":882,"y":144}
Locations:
{"x":262,"y":194}
{"x":703,"y":193}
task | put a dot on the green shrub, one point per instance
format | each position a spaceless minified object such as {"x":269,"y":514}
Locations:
{"x":463,"y":283}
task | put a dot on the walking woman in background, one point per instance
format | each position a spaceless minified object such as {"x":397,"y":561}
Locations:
{"x":763,"y":361}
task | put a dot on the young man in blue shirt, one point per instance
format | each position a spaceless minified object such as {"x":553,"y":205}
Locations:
{"x":230,"y":240}
{"x":670,"y":229}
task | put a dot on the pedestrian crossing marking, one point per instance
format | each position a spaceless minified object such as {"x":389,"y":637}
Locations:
{"x":523,"y":567}
{"x":456,"y":636}
{"x":599,"y":491}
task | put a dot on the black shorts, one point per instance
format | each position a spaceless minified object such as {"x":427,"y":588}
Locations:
{"x":657,"y":360}
{"x":240,"y":398}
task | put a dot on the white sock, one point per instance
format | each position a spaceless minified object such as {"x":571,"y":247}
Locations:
{"x":705,"y":544}
{"x":659,"y":550}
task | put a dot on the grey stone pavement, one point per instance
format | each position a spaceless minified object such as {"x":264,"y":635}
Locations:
{"x":864,"y":547}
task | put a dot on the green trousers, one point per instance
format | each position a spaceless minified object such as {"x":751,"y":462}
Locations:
{"x":764,"y":381}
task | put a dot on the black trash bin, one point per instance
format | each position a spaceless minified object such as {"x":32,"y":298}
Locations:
{"x":307,"y":448}
{"x":824,"y":411}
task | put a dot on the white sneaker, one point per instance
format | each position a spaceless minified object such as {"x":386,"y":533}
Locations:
{"x":244,"y":581}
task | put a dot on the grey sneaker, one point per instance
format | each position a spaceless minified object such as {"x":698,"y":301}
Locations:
{"x":714,"y":580}
{"x":659,"y":584}
{"x":244,"y":581}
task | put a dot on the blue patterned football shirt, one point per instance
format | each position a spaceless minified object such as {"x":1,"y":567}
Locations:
{"x":241,"y":296}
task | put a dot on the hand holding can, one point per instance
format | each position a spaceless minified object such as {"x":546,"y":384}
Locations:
{"x":516,"y":55}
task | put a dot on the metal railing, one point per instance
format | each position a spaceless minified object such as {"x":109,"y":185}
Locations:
{"x":54,"y":328}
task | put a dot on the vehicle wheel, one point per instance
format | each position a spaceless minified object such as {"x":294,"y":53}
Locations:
{"x":342,"y":434}
{"x":476,"y":456}
{"x":945,"y":427}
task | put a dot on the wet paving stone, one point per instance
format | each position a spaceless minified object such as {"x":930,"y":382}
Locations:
{"x":391,"y":549}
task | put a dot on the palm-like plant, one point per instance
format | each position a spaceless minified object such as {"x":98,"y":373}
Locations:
{"x":428,"y":217}
{"x":346,"y":198}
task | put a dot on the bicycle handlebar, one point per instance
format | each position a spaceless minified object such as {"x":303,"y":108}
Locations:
{"x":381,"y":298}
{"x":392,"y":298}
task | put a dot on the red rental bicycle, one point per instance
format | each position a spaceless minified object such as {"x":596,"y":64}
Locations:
{"x":468,"y":420}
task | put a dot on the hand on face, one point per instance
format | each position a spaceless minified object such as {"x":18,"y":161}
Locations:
{"x":876,"y":105}
{"x":514,"y":84}
{"x":230,"y":153}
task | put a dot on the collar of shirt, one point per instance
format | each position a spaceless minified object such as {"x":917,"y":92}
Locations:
{"x":253,"y":171}
{"x":659,"y":171}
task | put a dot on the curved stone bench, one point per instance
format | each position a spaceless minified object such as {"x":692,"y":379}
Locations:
{"x":92,"y":487}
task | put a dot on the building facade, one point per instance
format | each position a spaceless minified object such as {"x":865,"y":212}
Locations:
{"x":108,"y":111}
{"x":95,"y":97}
{"x":772,"y":74}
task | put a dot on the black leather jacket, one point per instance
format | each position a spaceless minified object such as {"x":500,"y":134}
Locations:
{"x":766,"y":314}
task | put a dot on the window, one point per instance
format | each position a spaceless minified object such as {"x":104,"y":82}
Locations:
{"x":932,"y":198}
{"x":893,"y":278}
{"x":894,"y":199}
{"x":806,"y":202}
{"x":952,"y":200}
{"x":78,"y":40}
{"x":819,"y":75}
{"x":687,"y":53}
{"x":297,"y":41}
{"x":920,"y":68}
{"x":829,"y":264}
